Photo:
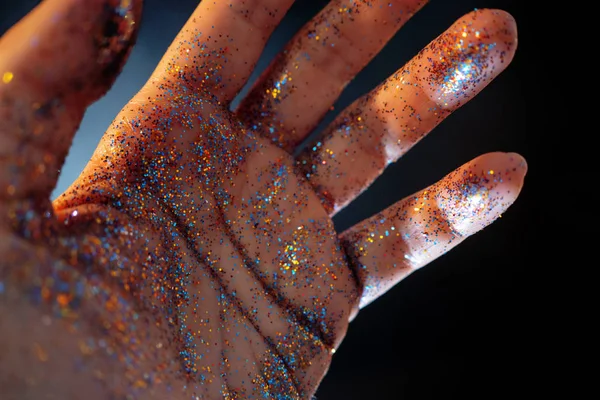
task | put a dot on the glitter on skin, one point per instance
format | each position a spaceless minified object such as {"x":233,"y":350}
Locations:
{"x":459,"y":64}
{"x":191,"y":259}
{"x":422,"y":227}
{"x":321,"y":59}
{"x":380,"y":127}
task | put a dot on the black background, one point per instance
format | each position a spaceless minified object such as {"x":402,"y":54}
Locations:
{"x":464,"y":326}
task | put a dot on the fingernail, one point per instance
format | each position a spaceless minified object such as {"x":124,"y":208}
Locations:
{"x":118,"y":34}
{"x":476,"y":194}
{"x":464,"y":59}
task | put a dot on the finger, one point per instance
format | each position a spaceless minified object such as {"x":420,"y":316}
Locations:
{"x":383,"y":125}
{"x":219,"y":45}
{"x":422,"y":227}
{"x":306,"y":79}
{"x":55,"y":62}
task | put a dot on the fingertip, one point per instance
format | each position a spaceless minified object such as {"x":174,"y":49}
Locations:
{"x":496,"y":27}
{"x":520,"y":164}
{"x":467,"y":57}
{"x":510,"y":169}
{"x":503,"y":19}
{"x":479,"y":192}
{"x":502,"y":28}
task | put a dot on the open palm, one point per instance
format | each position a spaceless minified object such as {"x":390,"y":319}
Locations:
{"x":195,"y":256}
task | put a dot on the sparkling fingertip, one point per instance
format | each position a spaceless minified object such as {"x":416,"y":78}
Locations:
{"x":476,"y":194}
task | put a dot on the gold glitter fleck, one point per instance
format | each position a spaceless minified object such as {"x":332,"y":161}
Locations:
{"x":40,"y":352}
{"x":7,"y":77}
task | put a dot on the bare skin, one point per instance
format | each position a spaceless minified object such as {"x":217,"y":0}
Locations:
{"x":195,"y":256}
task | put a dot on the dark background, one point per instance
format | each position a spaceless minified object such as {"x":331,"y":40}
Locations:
{"x":464,"y":326}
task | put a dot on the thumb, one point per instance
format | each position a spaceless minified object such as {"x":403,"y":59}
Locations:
{"x":54,"y":63}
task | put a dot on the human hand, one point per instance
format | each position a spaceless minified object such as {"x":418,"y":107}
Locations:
{"x":195,"y":255}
